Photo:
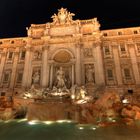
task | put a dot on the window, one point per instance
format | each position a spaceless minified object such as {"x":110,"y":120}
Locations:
{"x":127,"y":74}
{"x":135,"y":32}
{"x":122,"y":48}
{"x":107,"y":51}
{"x":3,"y":93}
{"x":119,"y":33}
{"x":12,"y":42}
{"x":6,"y":77}
{"x":105,"y":34}
{"x":10,"y":55}
{"x":22,"y":55}
{"x":19,"y":77}
{"x":110,"y":74}
{"x":138,"y":47}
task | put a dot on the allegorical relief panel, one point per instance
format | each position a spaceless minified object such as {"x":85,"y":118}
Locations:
{"x":89,"y":74}
{"x":37,"y":55}
{"x":88,"y":52}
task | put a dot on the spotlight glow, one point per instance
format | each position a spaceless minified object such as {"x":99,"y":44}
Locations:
{"x":33,"y":122}
{"x":81,"y":128}
{"x":61,"y":121}
{"x":93,"y":128}
{"x":22,"y":120}
{"x":125,"y":101}
{"x":48,"y":122}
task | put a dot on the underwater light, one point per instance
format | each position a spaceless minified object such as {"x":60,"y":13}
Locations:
{"x":7,"y":121}
{"x":93,"y":128}
{"x":48,"y":122}
{"x":61,"y":121}
{"x":33,"y":122}
{"x":125,"y":101}
{"x":22,"y":120}
{"x":72,"y":96}
{"x":81,"y":128}
{"x":68,"y":121}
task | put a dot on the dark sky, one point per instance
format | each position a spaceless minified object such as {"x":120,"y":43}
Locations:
{"x":16,"y":15}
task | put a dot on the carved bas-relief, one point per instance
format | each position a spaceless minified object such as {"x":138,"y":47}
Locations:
{"x":88,"y":52}
{"x":37,"y":55}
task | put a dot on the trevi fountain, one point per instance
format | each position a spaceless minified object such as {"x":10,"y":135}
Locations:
{"x":66,"y":95}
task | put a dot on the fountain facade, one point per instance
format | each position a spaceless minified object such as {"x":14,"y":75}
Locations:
{"x":67,"y":69}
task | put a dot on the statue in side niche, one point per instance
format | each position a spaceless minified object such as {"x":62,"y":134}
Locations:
{"x":36,"y":77}
{"x":89,"y":74}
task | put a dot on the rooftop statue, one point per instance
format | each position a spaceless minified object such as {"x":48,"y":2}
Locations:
{"x":96,"y":24}
{"x":62,"y":17}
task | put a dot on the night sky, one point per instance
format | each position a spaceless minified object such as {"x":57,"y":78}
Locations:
{"x":16,"y":15}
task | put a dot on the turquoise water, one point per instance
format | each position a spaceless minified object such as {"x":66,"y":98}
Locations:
{"x":23,"y":130}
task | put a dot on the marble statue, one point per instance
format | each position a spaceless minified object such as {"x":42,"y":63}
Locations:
{"x":89,"y":74}
{"x":36,"y":77}
{"x":62,"y":17}
{"x":55,"y":19}
{"x":60,"y":77}
{"x":83,"y":92}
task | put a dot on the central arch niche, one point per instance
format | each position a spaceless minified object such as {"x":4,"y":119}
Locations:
{"x":62,"y":57}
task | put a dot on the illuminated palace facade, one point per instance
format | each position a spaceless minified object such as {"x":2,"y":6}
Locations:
{"x":89,"y":56}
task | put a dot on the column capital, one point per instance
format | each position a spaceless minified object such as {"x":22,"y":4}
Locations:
{"x":28,"y":47}
{"x":79,"y":44}
{"x":3,"y":53}
{"x":73,"y":60}
{"x":51,"y":61}
{"x":130,"y":44}
{"x":45,"y":47}
{"x":16,"y":52}
{"x":97,"y":44}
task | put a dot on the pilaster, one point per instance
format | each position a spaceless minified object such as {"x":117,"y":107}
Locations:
{"x":117,"y":65}
{"x":26,"y":82}
{"x":134,"y":64}
{"x":45,"y":67}
{"x":3,"y":59}
{"x":78,"y":64}
{"x":14,"y":68}
{"x":99,"y":69}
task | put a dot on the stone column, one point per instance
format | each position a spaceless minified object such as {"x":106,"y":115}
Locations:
{"x":26,"y":82}
{"x":45,"y":67}
{"x":117,"y":65}
{"x":51,"y":75}
{"x":3,"y":59}
{"x":99,"y":69}
{"x":72,"y":74}
{"x":14,"y":69}
{"x":78,"y":64}
{"x":134,"y":64}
